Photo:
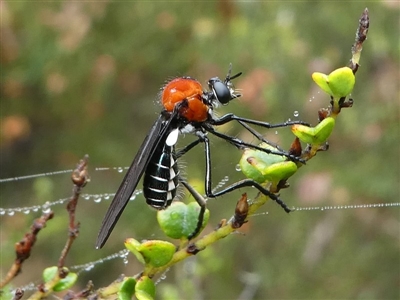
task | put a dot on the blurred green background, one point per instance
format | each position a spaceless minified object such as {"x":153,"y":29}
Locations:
{"x":83,"y":77}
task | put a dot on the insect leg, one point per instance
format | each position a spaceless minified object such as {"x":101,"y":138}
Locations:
{"x":187,"y":148}
{"x":231,"y":117}
{"x":251,"y":183}
{"x":237,"y":185}
{"x":242,"y":144}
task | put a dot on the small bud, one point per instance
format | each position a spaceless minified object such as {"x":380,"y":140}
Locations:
{"x":241,"y":211}
{"x":323,"y":113}
{"x":80,"y":176}
{"x":295,"y":148}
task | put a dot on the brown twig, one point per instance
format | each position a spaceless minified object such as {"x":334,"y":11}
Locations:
{"x":80,"y":177}
{"x":361,"y":36}
{"x":23,"y":248}
{"x":85,"y":293}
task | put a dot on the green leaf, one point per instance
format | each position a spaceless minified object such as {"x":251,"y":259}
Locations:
{"x":127,"y":289}
{"x":321,"y":80}
{"x":49,"y":273}
{"x":154,"y":253}
{"x":157,"y":253}
{"x":338,"y":84}
{"x":341,"y":82}
{"x":180,"y":220}
{"x":64,"y":283}
{"x":315,"y":135}
{"x":134,"y":246}
{"x":263,"y":167}
{"x":145,"y":289}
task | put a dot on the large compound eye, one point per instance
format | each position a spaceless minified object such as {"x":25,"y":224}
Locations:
{"x":221,"y":91}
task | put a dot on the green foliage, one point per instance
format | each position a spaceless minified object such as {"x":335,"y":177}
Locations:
{"x":180,"y":220}
{"x":338,"y":83}
{"x":315,"y":135}
{"x":145,"y":289}
{"x":127,"y":289}
{"x":263,"y":167}
{"x":152,"y":253}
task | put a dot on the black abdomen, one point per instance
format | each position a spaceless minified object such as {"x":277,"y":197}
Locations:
{"x":161,"y":178}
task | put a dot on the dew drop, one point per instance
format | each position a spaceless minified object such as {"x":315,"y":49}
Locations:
{"x":11,"y":213}
{"x":124,"y":256}
{"x":119,"y":170}
{"x":106,"y":197}
{"x":46,"y":209}
{"x":296,"y":113}
{"x":97,"y":200}
{"x":89,"y":267}
{"x":2,"y":212}
{"x":86,"y":197}
{"x":35,"y":209}
{"x":163,"y":277}
{"x":276,"y":131}
{"x":26,"y":211}
{"x":238,"y":168}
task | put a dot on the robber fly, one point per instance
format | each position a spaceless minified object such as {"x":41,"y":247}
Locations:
{"x":187,"y":108}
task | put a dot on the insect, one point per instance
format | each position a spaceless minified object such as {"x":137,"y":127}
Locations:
{"x":186,"y":109}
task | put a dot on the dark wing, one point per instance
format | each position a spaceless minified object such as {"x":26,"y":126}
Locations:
{"x":132,"y":177}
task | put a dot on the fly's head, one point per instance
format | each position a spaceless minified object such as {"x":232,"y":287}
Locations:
{"x":222,"y":92}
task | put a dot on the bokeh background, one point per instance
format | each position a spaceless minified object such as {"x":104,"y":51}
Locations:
{"x":83,"y":77}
